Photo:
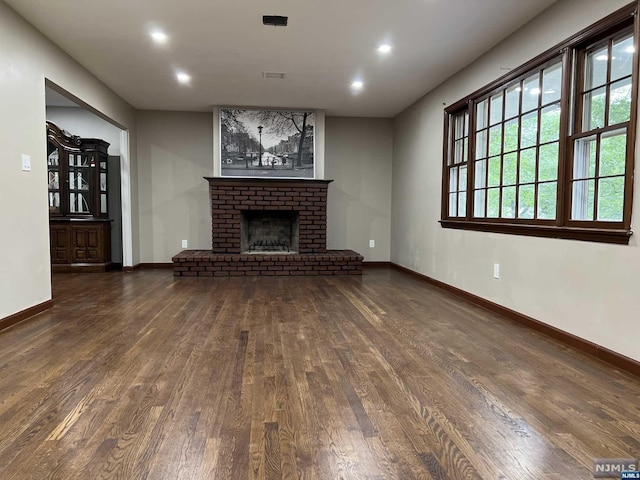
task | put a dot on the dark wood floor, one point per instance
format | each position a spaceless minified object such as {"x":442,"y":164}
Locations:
{"x":140,"y":376}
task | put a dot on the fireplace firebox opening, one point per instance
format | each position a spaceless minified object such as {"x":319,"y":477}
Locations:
{"x":269,"y":231}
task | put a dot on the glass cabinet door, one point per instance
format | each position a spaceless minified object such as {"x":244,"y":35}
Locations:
{"x":103,"y":187}
{"x":53,"y":163}
{"x":79,"y":183}
{"x":77,"y":170}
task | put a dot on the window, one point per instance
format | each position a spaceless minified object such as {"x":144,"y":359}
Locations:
{"x":516,"y":149}
{"x":457,"y":164}
{"x":602,"y":127}
{"x":548,"y":149}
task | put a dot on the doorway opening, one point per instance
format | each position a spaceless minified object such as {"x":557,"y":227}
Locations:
{"x":79,"y":120}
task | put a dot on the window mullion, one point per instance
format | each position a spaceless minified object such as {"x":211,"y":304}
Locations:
{"x":471,"y":167}
{"x":596,"y":180}
{"x":538,"y":149}
{"x":536,"y":198}
{"x":446,"y":171}
{"x":632,"y":126}
{"x":486,"y":182}
{"x":501,"y":156}
{"x":565,"y":147}
{"x":607,"y":91}
{"x":518,"y":154}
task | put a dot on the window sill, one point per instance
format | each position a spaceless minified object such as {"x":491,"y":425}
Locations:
{"x":602,"y":235}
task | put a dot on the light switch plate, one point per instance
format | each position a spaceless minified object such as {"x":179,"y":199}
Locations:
{"x":26,"y":163}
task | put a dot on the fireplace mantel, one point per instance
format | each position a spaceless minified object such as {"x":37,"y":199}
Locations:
{"x":261,"y":181}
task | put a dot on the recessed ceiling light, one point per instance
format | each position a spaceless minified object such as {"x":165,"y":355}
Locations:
{"x":535,"y":91}
{"x":384,"y":48}
{"x":630,"y":49}
{"x":602,"y":57}
{"x":357,"y":85}
{"x":183,"y":77}
{"x":159,"y":36}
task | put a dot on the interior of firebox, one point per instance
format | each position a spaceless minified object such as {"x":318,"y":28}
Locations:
{"x":265,"y":231}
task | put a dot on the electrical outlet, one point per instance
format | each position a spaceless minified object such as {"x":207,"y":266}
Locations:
{"x":185,"y":244}
{"x":372,"y":243}
{"x":496,"y":270}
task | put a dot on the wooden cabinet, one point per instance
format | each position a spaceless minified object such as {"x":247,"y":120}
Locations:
{"x":79,"y":224}
{"x":80,"y":245}
{"x":60,"y":245}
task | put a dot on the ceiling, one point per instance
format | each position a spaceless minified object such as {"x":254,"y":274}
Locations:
{"x":328,"y":44}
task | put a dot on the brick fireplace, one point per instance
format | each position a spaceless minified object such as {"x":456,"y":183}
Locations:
{"x":233,"y":197}
{"x":267,"y":226}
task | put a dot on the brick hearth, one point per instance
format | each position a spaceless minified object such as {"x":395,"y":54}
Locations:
{"x":230,"y":197}
{"x":204,"y":263}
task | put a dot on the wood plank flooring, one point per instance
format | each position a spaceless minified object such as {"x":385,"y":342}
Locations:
{"x":143,"y":376}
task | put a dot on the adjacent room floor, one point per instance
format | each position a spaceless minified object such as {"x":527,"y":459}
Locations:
{"x":140,"y":375}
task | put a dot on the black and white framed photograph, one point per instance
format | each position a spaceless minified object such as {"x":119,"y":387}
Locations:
{"x":267,"y":143}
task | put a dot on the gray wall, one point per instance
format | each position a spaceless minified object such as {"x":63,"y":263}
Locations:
{"x":587,"y":289}
{"x":175,"y":150}
{"x":358,"y":159}
{"x":27,"y":58}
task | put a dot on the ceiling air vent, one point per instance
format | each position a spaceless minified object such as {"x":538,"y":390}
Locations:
{"x":276,"y":75}
{"x":275,"y":20}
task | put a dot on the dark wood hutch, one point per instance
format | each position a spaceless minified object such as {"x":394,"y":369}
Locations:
{"x":79,"y":224}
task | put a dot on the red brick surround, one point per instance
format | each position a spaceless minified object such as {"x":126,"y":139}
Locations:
{"x":230,"y":196}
